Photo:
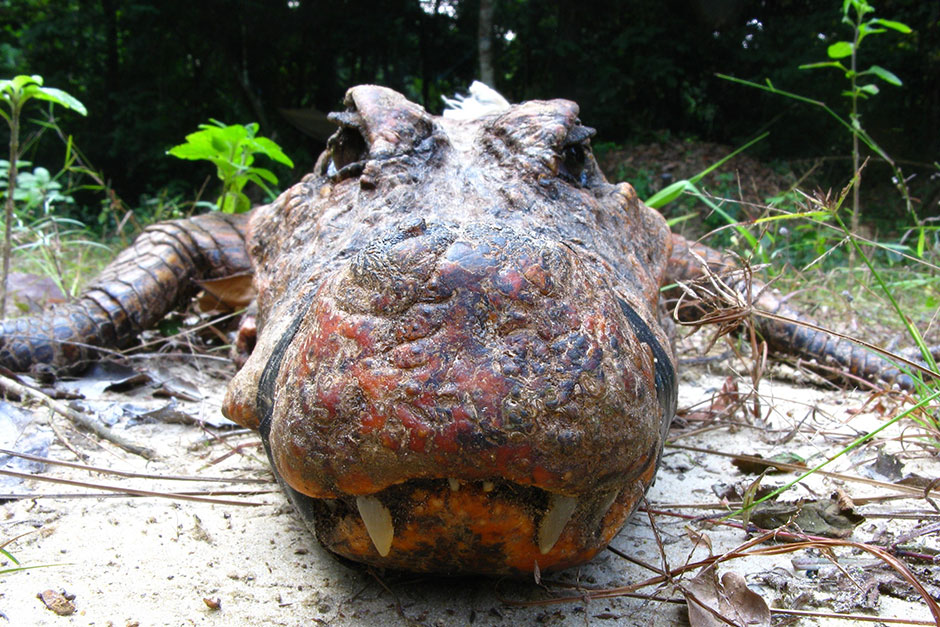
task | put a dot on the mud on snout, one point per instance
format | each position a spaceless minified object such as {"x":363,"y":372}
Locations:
{"x":468,"y":399}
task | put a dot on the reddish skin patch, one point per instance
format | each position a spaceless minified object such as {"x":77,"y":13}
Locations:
{"x":389,"y":441}
{"x":418,"y":431}
{"x":510,"y":283}
{"x":506,"y":455}
{"x":375,"y":385}
{"x":353,"y":482}
{"x":538,"y":277}
{"x":329,"y":398}
{"x":446,"y":439}
{"x":541,"y":476}
{"x":371,"y":421}
{"x":359,"y":331}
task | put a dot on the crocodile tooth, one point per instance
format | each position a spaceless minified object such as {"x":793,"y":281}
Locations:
{"x":560,"y":509}
{"x":454,"y":484}
{"x":378,"y":521}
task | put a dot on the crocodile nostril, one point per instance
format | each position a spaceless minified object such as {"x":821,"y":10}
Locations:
{"x":413,"y":227}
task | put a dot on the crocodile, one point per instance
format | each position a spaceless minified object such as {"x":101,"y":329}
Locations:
{"x":456,"y":358}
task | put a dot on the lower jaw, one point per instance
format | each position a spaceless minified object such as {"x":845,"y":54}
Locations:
{"x":490,"y":528}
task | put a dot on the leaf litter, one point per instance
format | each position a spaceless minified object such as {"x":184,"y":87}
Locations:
{"x":263,"y":566}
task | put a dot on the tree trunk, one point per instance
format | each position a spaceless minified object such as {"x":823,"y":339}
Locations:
{"x":485,"y":43}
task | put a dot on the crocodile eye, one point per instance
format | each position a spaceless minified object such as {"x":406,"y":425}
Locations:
{"x":574,"y":155}
{"x":347,"y":147}
{"x":573,"y":160}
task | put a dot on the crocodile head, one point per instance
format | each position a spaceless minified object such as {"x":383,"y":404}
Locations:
{"x":459,"y":367}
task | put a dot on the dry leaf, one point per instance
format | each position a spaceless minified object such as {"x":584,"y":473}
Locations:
{"x":231,"y":292}
{"x":821,"y":517}
{"x":58,"y":602}
{"x":731,"y":599}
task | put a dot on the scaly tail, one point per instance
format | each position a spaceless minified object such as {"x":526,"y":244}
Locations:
{"x":834,"y":358}
{"x":156,"y":274}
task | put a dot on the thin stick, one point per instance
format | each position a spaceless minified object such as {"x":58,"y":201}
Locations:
{"x":78,"y":419}
{"x":853,"y":617}
{"x":129,"y":491}
{"x":14,"y":496}
{"x":135,"y":475}
{"x":913,"y":491}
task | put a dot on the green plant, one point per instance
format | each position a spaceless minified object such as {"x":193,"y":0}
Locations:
{"x":15,"y":93}
{"x":33,"y":189}
{"x":687,"y":186}
{"x":232,"y":149}
{"x":855,"y":13}
{"x":42,"y":235}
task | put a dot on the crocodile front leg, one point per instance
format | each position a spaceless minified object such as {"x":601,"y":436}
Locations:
{"x":146,"y":281}
{"x":834,"y":358}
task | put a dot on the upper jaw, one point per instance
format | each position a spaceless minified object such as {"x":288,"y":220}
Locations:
{"x":473,"y":353}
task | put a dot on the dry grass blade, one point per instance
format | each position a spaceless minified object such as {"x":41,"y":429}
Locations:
{"x":132,"y":475}
{"x":752,"y":548}
{"x":897,"y":487}
{"x":130,"y":491}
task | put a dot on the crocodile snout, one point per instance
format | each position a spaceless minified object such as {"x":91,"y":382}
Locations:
{"x":478,"y":386}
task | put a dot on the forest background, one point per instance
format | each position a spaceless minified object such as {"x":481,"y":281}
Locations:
{"x":149,"y":72}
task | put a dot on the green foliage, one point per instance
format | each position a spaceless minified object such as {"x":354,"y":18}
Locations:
{"x":672,"y":192}
{"x":849,"y":50}
{"x":15,"y":93}
{"x":33,"y":189}
{"x":232,"y":150}
{"x":854,"y":14}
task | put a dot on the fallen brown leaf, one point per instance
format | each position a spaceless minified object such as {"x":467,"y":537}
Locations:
{"x":232,"y":292}
{"x":58,"y":602}
{"x":715,"y":604}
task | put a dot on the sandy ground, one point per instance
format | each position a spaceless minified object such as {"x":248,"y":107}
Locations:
{"x":154,"y":561}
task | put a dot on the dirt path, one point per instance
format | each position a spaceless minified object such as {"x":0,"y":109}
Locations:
{"x":153,"y":561}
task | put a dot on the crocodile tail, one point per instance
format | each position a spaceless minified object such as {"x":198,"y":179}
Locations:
{"x":155,"y":275}
{"x":786,"y":331}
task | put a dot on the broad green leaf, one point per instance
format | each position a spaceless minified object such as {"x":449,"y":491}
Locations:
{"x":900,"y":27}
{"x":869,"y":89}
{"x":59,"y":97}
{"x":265,"y":174}
{"x":885,"y":75}
{"x":220,"y":144}
{"x":839,"y":50}
{"x":21,"y":81}
{"x":864,"y":30}
{"x":272,"y":150}
{"x":232,"y":149}
{"x":197,"y":146}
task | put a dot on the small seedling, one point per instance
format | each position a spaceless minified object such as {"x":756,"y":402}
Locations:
{"x":232,"y":149}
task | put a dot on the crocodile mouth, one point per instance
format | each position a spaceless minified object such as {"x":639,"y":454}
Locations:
{"x":493,"y":527}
